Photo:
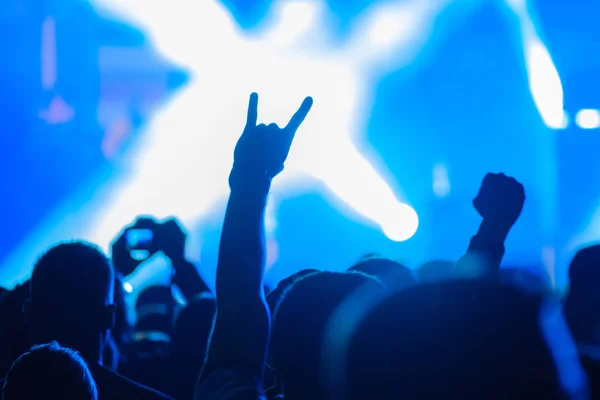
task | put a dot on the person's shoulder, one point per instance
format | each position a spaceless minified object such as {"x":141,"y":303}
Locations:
{"x":227,"y":384}
{"x":590,"y":359}
{"x":124,"y":386}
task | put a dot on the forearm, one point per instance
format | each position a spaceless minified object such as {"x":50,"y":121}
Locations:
{"x":485,"y":251}
{"x":241,"y":331}
{"x":242,"y":248}
{"x":188,"y":279}
{"x":239,"y":339}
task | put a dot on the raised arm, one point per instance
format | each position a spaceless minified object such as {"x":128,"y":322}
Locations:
{"x":499,"y":202}
{"x":241,"y":332}
{"x":173,"y":239}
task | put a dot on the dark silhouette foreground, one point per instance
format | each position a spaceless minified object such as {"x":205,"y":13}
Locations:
{"x":452,"y":330}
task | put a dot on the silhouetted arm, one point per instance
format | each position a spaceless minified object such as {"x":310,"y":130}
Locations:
{"x":499,"y":202}
{"x":172,"y":238}
{"x":484,"y":253}
{"x":188,"y":279}
{"x":242,"y":326}
{"x":240,"y":337}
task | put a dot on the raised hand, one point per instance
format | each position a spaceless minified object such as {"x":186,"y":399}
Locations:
{"x":500,"y":200}
{"x":262,"y":149}
{"x":120,"y":250}
{"x":171,"y":239}
{"x":259,"y":156}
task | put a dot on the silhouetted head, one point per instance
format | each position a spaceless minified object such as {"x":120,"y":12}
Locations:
{"x":583,"y":298}
{"x":299,"y":325}
{"x":457,"y":340}
{"x":584,"y":272}
{"x":275,"y":295}
{"x":148,"y":352}
{"x":436,"y":270}
{"x":390,"y":272}
{"x":193,"y":325}
{"x":155,"y":308}
{"x":189,"y":343}
{"x":49,"y":371}
{"x":14,"y":333}
{"x":71,"y":301}
{"x":531,"y":279}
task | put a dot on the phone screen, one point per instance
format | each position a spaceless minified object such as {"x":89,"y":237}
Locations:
{"x":139,"y":243}
{"x":139,"y":238}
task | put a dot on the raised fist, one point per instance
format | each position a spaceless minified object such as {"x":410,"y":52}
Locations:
{"x":262,"y":149}
{"x":500,"y":199}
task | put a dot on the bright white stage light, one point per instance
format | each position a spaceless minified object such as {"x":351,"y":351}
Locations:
{"x":293,"y":19}
{"x":544,"y":81}
{"x":182,"y":165}
{"x":588,"y":119}
{"x":545,"y":84}
{"x":517,"y":5}
{"x":401,"y":223}
{"x":390,"y":25}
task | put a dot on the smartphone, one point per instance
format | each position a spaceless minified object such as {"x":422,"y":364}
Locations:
{"x":140,"y":243}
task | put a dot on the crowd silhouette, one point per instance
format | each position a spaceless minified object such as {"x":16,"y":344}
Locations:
{"x":456,"y":330}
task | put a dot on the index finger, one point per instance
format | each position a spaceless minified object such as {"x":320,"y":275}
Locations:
{"x":299,"y":116}
{"x":252,"y":111}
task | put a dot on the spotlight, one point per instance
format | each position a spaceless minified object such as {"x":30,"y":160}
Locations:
{"x":588,"y":119}
{"x":441,"y":183}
